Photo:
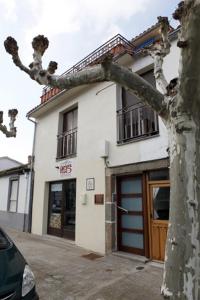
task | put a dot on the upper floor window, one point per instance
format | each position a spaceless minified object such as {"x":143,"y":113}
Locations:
{"x":135,"y":119}
{"x":67,"y":140}
{"x":13,"y":194}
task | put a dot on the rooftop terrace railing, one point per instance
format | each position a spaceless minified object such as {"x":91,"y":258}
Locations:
{"x":116,"y":46}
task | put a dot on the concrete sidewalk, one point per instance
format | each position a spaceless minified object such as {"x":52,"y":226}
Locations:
{"x":63,"y":273}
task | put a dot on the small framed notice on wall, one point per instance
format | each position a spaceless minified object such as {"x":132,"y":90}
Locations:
{"x":90,"y":184}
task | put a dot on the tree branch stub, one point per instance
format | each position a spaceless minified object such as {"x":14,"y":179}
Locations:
{"x":12,"y":113}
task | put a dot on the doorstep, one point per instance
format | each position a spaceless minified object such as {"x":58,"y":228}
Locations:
{"x":131,"y":256}
{"x":139,"y":258}
{"x":60,"y":240}
{"x":156,"y":263}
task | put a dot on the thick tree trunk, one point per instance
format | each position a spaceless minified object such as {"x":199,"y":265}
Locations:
{"x":182,"y":262}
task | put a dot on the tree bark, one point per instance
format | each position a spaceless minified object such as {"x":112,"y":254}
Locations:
{"x":182,"y":261}
{"x":181,"y":278}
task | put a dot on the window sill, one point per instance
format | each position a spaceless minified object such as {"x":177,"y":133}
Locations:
{"x":139,"y":139}
{"x":66,"y":157}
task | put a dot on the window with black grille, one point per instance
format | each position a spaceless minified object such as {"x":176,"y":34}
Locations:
{"x":134,"y":119}
{"x":67,"y":140}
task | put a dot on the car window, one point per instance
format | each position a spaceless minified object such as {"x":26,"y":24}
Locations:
{"x":4,"y":242}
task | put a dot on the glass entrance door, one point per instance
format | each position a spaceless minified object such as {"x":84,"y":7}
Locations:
{"x":130,"y":215}
{"x":62,"y":209}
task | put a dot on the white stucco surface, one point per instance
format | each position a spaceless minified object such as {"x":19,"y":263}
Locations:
{"x":23,"y":193}
{"x":4,"y":181}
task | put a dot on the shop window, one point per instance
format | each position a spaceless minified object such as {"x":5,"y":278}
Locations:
{"x":13,"y":194}
{"x":134,"y":119}
{"x":67,"y":140}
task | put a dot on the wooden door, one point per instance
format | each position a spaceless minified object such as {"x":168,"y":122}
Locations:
{"x":130,"y":215}
{"x":159,"y":195}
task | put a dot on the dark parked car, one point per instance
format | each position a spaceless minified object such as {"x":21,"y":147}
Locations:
{"x":16,"y":278}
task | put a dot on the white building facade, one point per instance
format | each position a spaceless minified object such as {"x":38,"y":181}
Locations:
{"x":15,"y":184}
{"x":101,"y":162}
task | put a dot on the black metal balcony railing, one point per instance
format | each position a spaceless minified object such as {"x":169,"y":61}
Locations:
{"x":116,"y":46}
{"x":67,"y":143}
{"x":136,"y":122}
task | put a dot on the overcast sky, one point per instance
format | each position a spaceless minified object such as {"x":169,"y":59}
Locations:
{"x":75,"y":28}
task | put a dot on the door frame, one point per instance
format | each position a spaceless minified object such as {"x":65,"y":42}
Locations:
{"x":145,"y":251}
{"x":51,"y":230}
{"x":150,"y":184}
{"x":54,"y":231}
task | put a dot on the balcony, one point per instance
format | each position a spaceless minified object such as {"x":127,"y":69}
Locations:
{"x":136,"y":123}
{"x":118,"y":45}
{"x":67,"y":144}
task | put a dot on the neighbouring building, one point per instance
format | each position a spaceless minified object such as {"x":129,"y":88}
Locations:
{"x":101,"y":161}
{"x":15,"y":186}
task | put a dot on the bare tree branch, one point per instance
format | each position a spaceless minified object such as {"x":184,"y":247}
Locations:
{"x":12,"y":129}
{"x":106,"y":71}
{"x":158,"y":51}
{"x":12,"y":48}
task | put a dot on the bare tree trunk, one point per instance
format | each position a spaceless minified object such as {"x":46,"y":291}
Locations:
{"x":182,"y":261}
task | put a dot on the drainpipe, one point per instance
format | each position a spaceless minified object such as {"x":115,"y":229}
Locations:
{"x":27,"y":176}
{"x":30,"y":208}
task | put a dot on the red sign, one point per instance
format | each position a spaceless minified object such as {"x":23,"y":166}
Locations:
{"x":66,"y":168}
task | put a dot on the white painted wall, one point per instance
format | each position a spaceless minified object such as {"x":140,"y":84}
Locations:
{"x":4,"y":185}
{"x":96,"y":123}
{"x":23,"y":193}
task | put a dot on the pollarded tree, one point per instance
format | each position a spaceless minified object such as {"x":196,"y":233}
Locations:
{"x":12,"y":131}
{"x":179,"y":107}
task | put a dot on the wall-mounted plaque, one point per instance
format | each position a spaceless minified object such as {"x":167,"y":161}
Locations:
{"x":99,"y":199}
{"x":90,"y":184}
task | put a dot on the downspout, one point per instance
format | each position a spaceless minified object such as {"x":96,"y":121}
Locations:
{"x":32,"y":174}
{"x":27,"y":176}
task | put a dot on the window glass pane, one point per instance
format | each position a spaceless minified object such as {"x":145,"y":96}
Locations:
{"x":132,"y":204}
{"x":70,"y":120}
{"x":55,"y":209}
{"x":13,"y":206}
{"x":131,"y":186}
{"x":75,"y":119}
{"x":162,"y":174}
{"x":134,"y":240}
{"x":149,"y":76}
{"x":161,"y":197}
{"x":56,"y":187}
{"x":56,"y":202}
{"x":70,"y":205}
{"x":132,"y":222}
{"x":136,"y":120}
{"x":13,"y":191}
{"x":129,"y":99}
